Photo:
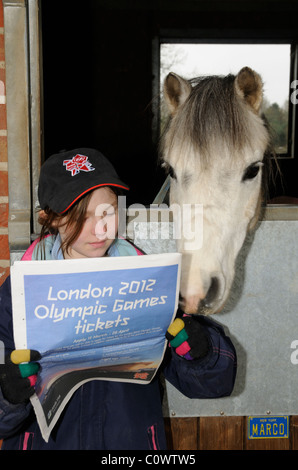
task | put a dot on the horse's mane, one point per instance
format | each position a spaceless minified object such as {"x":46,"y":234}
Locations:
{"x":214,"y":111}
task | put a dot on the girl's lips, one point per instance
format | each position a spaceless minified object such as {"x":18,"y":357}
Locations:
{"x":99,"y":243}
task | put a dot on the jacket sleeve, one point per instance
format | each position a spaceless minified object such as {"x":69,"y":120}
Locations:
{"x":212,"y":376}
{"x":11,"y":416}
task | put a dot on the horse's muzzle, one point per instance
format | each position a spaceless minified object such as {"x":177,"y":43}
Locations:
{"x":212,"y":294}
{"x":207,"y":305}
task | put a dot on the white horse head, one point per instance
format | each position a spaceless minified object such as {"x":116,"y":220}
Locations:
{"x":214,"y":149}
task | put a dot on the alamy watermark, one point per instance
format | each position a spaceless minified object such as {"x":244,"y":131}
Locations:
{"x":294,"y":95}
{"x":186,"y":221}
{"x":294,"y":354}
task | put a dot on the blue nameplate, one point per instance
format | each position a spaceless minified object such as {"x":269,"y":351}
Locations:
{"x":273,"y":427}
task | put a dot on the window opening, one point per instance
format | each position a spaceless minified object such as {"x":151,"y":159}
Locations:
{"x":271,"y":61}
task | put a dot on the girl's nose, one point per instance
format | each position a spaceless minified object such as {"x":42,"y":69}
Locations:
{"x":100,"y":228}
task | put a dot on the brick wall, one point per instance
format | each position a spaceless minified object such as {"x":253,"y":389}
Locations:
{"x":4,"y":249}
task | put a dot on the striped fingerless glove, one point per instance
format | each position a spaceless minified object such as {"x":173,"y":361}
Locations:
{"x":188,"y":338}
{"x":18,"y":375}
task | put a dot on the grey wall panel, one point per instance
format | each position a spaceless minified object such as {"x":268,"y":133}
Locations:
{"x":262,"y":320}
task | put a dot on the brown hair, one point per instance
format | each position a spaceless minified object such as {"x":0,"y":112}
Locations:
{"x":74,"y":219}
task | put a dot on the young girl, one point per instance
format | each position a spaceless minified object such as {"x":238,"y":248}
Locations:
{"x":78,"y":199}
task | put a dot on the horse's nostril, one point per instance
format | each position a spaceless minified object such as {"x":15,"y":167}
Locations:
{"x":212,"y":293}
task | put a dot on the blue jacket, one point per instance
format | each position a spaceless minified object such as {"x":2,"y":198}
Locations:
{"x":103,"y":415}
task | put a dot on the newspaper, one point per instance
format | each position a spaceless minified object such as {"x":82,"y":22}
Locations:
{"x":102,"y":318}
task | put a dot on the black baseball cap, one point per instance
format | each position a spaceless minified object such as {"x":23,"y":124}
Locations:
{"x":67,"y":176}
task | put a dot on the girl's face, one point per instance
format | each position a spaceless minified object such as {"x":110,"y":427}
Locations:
{"x":99,"y":229}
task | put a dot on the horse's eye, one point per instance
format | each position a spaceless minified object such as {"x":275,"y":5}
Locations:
{"x":251,"y":171}
{"x":170,"y":170}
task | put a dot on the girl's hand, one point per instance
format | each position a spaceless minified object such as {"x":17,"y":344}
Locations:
{"x":188,"y":337}
{"x":18,"y":375}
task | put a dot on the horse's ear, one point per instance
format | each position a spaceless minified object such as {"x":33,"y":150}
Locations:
{"x":248,"y":84}
{"x":176,"y":90}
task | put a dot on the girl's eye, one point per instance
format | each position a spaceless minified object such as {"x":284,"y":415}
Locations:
{"x":251,"y":171}
{"x":109,"y":212}
{"x":105,"y":210}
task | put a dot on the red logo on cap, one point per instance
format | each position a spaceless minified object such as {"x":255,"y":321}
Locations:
{"x":77,"y":164}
